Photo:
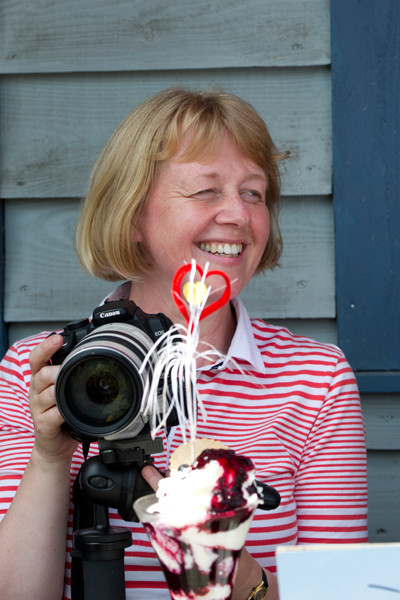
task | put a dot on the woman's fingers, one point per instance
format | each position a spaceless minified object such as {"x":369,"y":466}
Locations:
{"x":42,"y":353}
{"x":52,"y":441}
{"x":152,"y":476}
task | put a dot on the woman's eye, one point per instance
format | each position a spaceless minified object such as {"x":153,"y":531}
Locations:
{"x":253,"y":196}
{"x":211,"y":194}
{"x":205,"y":194}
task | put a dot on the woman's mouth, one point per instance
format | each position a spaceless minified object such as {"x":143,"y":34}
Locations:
{"x":221,"y":248}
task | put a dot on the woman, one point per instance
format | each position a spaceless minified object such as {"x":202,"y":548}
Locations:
{"x":189,"y":175}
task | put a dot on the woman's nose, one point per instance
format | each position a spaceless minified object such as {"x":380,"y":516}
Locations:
{"x":233,"y":210}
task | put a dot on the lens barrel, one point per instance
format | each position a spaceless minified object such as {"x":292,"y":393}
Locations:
{"x":99,"y":387}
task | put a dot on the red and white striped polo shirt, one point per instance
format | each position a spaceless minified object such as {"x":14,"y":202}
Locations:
{"x":289,"y":403}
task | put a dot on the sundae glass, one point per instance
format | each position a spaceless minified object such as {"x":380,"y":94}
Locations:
{"x":198,"y":522}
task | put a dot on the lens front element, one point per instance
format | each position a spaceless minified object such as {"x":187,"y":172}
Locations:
{"x":100,"y":391}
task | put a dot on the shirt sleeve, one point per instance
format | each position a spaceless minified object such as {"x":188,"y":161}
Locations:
{"x":16,"y":426}
{"x":331,"y":481}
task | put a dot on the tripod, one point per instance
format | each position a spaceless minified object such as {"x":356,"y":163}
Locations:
{"x":111,"y":479}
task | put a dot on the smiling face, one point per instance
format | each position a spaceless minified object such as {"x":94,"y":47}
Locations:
{"x":211,"y":211}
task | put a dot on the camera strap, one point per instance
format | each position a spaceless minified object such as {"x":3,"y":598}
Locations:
{"x":83,"y":518}
{"x":83,"y":509}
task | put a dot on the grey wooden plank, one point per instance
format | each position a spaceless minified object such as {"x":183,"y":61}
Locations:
{"x":52,"y":128}
{"x":382,"y":421}
{"x":43,"y":277}
{"x":384,"y":496}
{"x":304,"y":286}
{"x":23,"y":329}
{"x":3,"y":327}
{"x":39,"y":37}
{"x":44,"y":281}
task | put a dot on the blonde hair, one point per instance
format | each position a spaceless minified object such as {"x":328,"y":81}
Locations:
{"x":132,"y":159}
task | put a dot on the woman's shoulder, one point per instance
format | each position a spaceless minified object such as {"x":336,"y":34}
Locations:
{"x":28,"y":343}
{"x":17,"y":356}
{"x":270,"y":336}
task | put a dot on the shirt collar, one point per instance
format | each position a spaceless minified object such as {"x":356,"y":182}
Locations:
{"x":243,"y":346}
{"x":122,"y":292}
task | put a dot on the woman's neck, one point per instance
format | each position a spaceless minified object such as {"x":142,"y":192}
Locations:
{"x":216,"y":329}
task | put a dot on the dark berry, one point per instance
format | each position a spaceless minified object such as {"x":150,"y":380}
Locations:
{"x":227,"y":493}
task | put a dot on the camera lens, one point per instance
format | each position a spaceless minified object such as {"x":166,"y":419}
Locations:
{"x":102,"y":388}
{"x":99,"y":388}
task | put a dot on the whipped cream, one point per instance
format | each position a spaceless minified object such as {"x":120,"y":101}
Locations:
{"x":186,"y":497}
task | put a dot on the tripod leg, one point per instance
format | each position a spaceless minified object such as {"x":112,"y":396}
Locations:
{"x":98,"y":560}
{"x":103,"y":580}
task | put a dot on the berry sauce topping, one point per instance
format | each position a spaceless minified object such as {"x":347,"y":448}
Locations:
{"x":228,"y":491}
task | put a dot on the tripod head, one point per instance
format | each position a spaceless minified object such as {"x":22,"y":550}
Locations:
{"x":113,"y":478}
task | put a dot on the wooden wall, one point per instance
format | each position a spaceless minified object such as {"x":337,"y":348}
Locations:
{"x":70,"y":72}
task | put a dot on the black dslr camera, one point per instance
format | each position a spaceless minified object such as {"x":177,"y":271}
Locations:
{"x":100,"y":385}
{"x":99,"y":391}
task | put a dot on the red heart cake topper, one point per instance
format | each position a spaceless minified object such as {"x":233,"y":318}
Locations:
{"x":207,"y":310}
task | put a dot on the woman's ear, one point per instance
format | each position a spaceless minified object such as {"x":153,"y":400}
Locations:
{"x":137,"y":236}
{"x":136,"y":233}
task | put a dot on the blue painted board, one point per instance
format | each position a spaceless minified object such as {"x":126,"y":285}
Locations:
{"x":366,"y":183}
{"x":385,"y":382}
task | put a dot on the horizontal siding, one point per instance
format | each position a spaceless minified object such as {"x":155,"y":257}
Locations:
{"x":382,"y":423}
{"x":384,"y":496}
{"x":52,"y":128}
{"x":145,"y":35}
{"x":304,"y":285}
{"x":382,"y":417}
{"x":44,"y":281}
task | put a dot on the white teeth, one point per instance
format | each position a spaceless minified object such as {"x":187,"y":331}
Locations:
{"x":224,"y":249}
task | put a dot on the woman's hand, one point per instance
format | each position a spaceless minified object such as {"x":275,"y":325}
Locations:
{"x":152,"y":476}
{"x":52,"y":443}
{"x":248,"y":576}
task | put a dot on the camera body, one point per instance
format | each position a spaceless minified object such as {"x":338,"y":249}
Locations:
{"x":100,"y":385}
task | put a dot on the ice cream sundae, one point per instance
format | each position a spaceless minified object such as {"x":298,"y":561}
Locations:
{"x":198,"y":521}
